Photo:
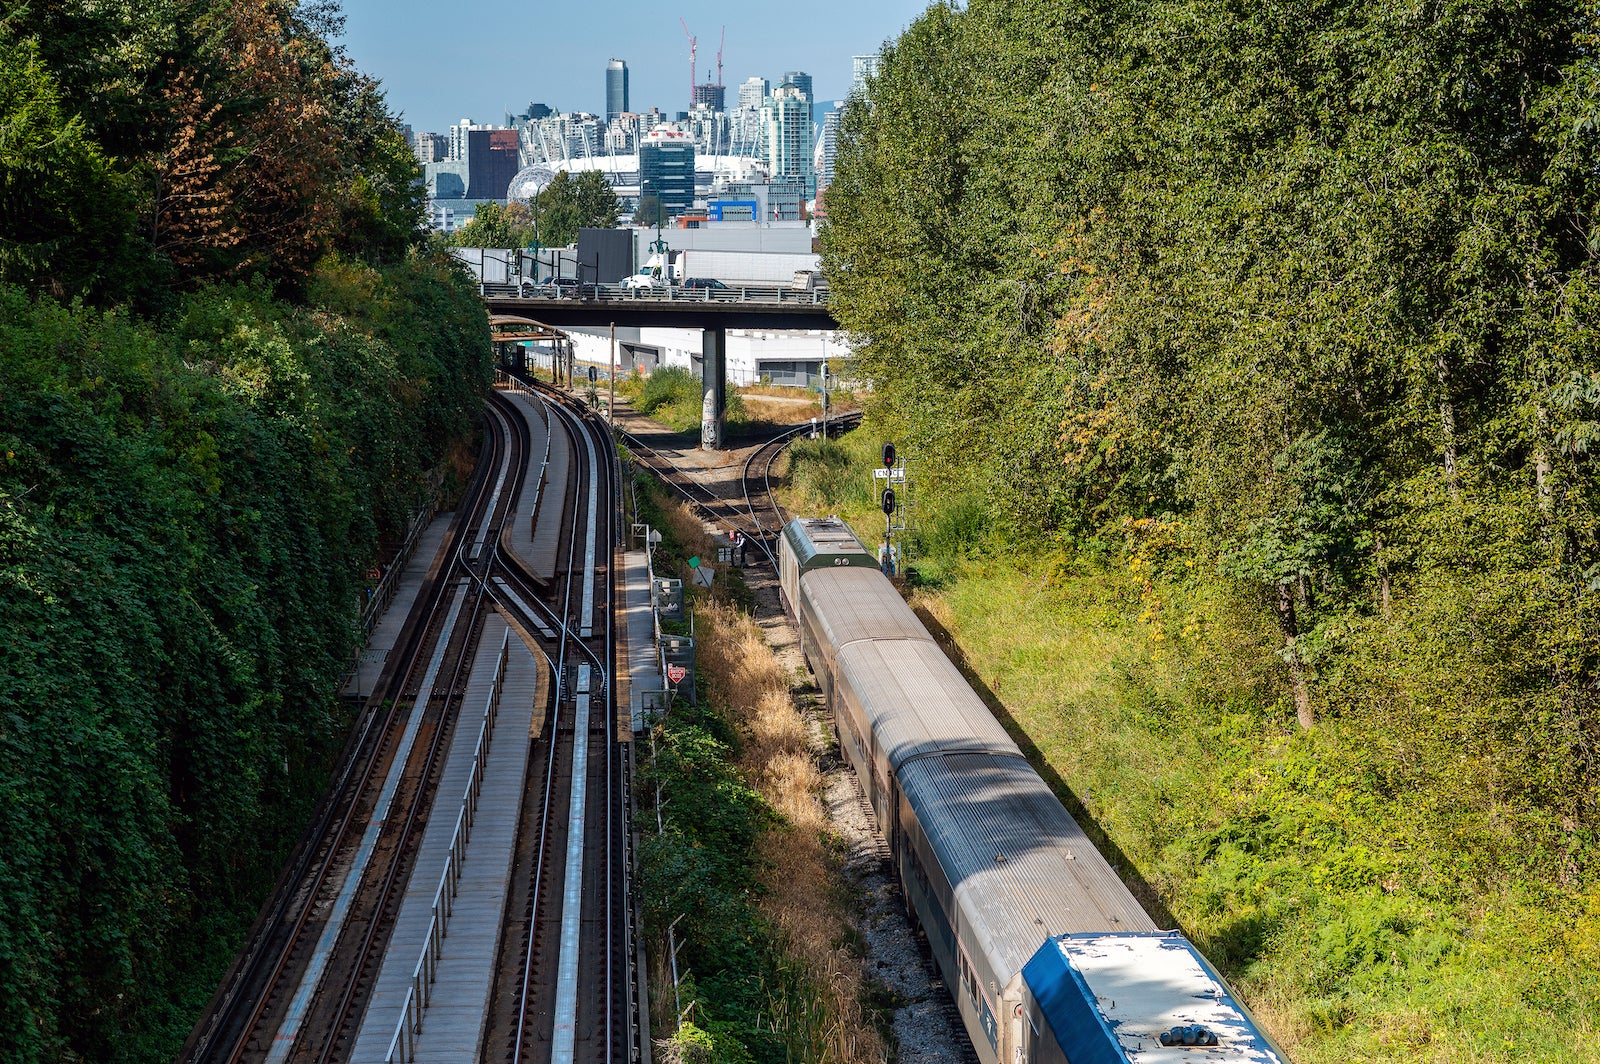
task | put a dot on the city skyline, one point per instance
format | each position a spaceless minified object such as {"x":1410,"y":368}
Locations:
{"x":434,"y":79}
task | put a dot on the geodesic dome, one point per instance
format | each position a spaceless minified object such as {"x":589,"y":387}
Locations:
{"x":529,"y":182}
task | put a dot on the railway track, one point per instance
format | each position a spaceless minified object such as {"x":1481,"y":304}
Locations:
{"x":750,"y":505}
{"x":258,"y":997}
{"x":564,"y":977}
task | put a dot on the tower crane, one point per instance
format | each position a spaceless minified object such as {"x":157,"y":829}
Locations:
{"x":694,"y":44}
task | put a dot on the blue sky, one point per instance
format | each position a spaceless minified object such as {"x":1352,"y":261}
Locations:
{"x":444,"y":60}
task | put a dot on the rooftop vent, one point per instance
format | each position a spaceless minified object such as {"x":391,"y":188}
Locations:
{"x":1189,"y":1035}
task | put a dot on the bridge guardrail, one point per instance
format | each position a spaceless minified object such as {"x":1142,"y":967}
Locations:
{"x":605,"y":293}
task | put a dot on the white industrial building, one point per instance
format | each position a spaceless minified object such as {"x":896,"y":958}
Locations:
{"x":774,"y":356}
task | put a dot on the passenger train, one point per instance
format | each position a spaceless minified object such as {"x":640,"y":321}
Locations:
{"x":1048,"y":956}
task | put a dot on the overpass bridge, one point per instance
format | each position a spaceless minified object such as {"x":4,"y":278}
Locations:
{"x":712,"y":310}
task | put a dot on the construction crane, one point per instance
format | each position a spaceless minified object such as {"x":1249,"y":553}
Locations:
{"x":720,"y":43}
{"x":694,"y":44}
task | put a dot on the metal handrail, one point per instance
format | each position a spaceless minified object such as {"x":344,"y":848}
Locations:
{"x":752,"y":294}
{"x":426,"y":971}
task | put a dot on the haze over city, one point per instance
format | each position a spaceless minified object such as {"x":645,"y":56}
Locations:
{"x":439,"y":64}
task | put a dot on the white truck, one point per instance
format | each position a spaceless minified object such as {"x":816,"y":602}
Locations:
{"x":748,"y":269}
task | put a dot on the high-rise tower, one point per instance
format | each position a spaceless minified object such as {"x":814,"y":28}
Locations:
{"x":862,"y":69}
{"x":787,"y":142}
{"x":802,"y":81}
{"x":616,"y":88}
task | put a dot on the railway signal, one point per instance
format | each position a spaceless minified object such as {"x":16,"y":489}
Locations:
{"x":888,"y":502}
{"x":888,"y":456}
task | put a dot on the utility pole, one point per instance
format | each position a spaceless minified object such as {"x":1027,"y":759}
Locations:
{"x":611,"y":403}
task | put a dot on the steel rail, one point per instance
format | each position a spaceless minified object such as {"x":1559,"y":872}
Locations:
{"x":331,"y":827}
{"x":397,"y":872}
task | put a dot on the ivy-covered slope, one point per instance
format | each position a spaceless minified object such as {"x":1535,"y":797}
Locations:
{"x":186,"y":517}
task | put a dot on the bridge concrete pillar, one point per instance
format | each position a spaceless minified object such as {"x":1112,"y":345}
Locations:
{"x":713,"y":387}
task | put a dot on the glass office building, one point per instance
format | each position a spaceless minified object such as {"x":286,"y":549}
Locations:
{"x":666,"y":169}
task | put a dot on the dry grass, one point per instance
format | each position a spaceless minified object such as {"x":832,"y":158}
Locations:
{"x":780,"y":391}
{"x":687,"y":530}
{"x":802,"y":899}
{"x":779,"y":411}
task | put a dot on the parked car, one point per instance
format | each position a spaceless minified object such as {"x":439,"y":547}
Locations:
{"x":641,"y":281}
{"x":704,"y":282}
{"x":563,"y":288}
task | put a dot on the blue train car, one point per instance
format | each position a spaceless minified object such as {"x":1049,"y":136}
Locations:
{"x":1134,"y":999}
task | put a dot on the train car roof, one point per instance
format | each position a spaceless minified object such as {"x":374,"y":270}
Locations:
{"x":850,"y":604}
{"x":811,"y":537}
{"x":1110,"y":996}
{"x":1020,"y":867}
{"x":916,"y":702}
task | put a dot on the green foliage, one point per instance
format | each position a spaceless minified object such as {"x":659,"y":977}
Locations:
{"x":699,"y":872}
{"x":570,"y":203}
{"x":147,"y":146}
{"x":186,"y":513}
{"x":551,"y":219}
{"x":494,"y":226}
{"x":1282,"y":278}
{"x":188,"y":501}
{"x":675,"y":397}
{"x":65,"y":212}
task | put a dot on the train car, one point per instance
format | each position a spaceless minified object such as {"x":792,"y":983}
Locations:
{"x":1134,"y":999}
{"x":837,"y":608}
{"x":817,"y":543}
{"x":991,"y":863}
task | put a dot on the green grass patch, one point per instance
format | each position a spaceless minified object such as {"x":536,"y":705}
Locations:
{"x":674,"y":397}
{"x":1365,"y":913}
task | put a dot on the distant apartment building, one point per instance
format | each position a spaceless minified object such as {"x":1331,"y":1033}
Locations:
{"x":616,"y":89}
{"x":828,"y":147}
{"x":800,"y":80}
{"x":666,"y":169}
{"x":431,"y":148}
{"x":787,"y":143}
{"x":863,"y":68}
{"x":752,"y":91}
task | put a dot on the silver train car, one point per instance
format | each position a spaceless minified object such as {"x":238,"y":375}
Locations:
{"x":995,"y":871}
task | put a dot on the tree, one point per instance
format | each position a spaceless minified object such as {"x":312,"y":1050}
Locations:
{"x":568,"y":204}
{"x":494,"y":226}
{"x":649,"y":212}
{"x":65,"y":218}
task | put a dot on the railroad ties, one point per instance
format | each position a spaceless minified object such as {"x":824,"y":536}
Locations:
{"x":465,"y":892}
